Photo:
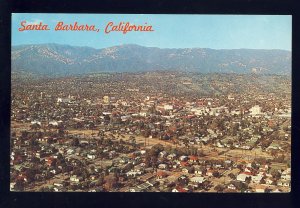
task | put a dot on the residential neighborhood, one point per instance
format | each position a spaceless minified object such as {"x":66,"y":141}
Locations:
{"x":123,"y":132}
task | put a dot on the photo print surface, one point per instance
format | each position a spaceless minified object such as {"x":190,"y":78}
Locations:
{"x":150,"y":103}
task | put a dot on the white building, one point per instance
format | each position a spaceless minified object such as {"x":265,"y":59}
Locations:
{"x":198,"y":179}
{"x":168,"y":107}
{"x":63,"y":100}
{"x":91,"y":156}
{"x":255,"y":110}
{"x":242,"y":177}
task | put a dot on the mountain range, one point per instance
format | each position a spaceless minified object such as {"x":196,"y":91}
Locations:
{"x":62,"y":60}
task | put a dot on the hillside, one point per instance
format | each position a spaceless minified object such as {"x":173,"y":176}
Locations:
{"x":55,"y":59}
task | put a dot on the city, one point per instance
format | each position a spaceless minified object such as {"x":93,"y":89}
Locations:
{"x":159,"y":131}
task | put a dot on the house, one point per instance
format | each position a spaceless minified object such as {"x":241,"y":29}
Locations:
{"x":12,"y":186}
{"x":198,"y":170}
{"x":70,"y":151}
{"x":184,"y":163}
{"x":54,"y":171}
{"x":59,"y":189}
{"x":218,"y":166}
{"x":187,"y":170}
{"x":256,"y":178}
{"x":135,"y":189}
{"x":161,"y":174}
{"x":242,"y":177}
{"x":144,"y":113}
{"x":138,"y":168}
{"x":180,"y":189}
{"x":274,"y":146}
{"x":50,"y":161}
{"x":146,"y":177}
{"x":58,"y":184}
{"x":219,"y":145}
{"x":269,"y":181}
{"x":276,"y":191}
{"x":123,"y":160}
{"x":197,"y":179}
{"x":162,"y":166}
{"x":193,"y":159}
{"x":184,"y":178}
{"x":255,"y":110}
{"x":209,"y":172}
{"x":249,"y":170}
{"x":231,"y":186}
{"x":76,"y":179}
{"x":162,"y":154}
{"x":282,"y":182}
{"x":260,"y":188}
{"x":143,"y":187}
{"x":111,"y":154}
{"x":175,"y":166}
{"x":183,"y":158}
{"x":171,"y":156}
{"x":133,"y":173}
{"x":40,"y":154}
{"x":91,"y":156}
{"x":172,"y":179}
{"x":286,"y":174}
{"x":39,"y":177}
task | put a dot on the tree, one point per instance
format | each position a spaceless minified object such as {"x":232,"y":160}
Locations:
{"x":262,"y":181}
{"x":248,"y":180}
{"x":33,"y":142}
{"x":100,"y":180}
{"x":231,"y":175}
{"x":61,"y":131}
{"x":240,"y":185}
{"x":168,"y":149}
{"x":275,"y":174}
{"x":19,"y":186}
{"x":155,"y":150}
{"x":219,"y":188}
{"x":75,"y":142}
{"x":261,"y":160}
{"x":44,"y":189}
{"x":30,"y":173}
{"x":35,"y":160}
{"x":279,"y":159}
{"x":240,"y":166}
{"x":35,"y":126}
{"x":274,"y":153}
{"x":111,"y":182}
{"x":60,"y":158}
{"x":216,"y":174}
{"x":254,"y":165}
{"x":92,"y":169}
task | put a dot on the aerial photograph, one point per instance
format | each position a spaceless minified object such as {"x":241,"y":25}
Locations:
{"x":150,"y":103}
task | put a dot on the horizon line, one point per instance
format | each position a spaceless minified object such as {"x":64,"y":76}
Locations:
{"x":149,"y":47}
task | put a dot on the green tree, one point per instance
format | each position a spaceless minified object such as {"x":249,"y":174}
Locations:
{"x":219,"y":188}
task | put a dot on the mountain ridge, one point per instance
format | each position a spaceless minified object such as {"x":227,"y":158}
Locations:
{"x":62,"y":59}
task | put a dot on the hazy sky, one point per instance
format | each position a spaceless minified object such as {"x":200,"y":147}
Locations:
{"x":171,"y":31}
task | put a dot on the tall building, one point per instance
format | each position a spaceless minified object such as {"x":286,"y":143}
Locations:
{"x":106,"y":99}
{"x":255,"y":110}
{"x":42,"y":95}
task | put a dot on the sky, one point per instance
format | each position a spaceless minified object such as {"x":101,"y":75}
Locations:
{"x":170,"y":31}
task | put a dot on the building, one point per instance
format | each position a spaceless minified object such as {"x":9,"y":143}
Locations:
{"x":63,"y":100}
{"x":197,"y":179}
{"x":106,"y":99}
{"x":255,"y":110}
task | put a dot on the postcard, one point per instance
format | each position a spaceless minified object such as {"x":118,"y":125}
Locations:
{"x":150,"y":103}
